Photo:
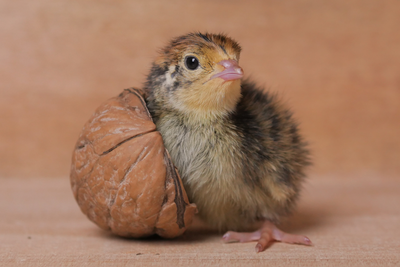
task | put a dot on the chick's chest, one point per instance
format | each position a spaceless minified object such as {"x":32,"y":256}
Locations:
{"x":202,"y":151}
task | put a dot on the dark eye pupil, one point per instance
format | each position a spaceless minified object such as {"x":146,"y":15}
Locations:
{"x":191,"y":63}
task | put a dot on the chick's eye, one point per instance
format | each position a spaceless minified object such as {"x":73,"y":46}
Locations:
{"x":191,"y":62}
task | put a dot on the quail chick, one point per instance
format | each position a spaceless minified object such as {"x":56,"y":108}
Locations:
{"x":237,"y":148}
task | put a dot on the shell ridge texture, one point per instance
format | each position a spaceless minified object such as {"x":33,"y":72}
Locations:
{"x":123,"y":178}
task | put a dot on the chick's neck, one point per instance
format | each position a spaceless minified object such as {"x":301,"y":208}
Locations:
{"x":203,"y":104}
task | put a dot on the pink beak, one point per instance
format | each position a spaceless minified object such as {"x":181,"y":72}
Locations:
{"x":232,"y":71}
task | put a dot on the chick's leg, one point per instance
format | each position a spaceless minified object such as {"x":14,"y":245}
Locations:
{"x":265,"y":235}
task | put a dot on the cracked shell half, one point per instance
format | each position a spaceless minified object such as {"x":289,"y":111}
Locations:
{"x":122,"y":176}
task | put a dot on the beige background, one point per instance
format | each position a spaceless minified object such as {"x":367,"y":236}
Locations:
{"x":335,"y":63}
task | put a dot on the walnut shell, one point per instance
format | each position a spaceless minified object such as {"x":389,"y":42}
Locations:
{"x":122,"y":176}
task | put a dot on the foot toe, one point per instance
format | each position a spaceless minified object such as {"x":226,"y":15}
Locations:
{"x":229,"y":237}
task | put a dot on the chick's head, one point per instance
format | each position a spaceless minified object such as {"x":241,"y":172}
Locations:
{"x":199,"y":74}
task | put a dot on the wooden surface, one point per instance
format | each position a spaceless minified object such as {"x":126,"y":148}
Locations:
{"x":352,"y":223}
{"x":336,"y":63}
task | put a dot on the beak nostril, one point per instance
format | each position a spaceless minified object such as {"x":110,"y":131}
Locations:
{"x":229,"y":63}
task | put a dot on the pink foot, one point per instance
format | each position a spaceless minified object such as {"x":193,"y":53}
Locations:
{"x":267,"y":234}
